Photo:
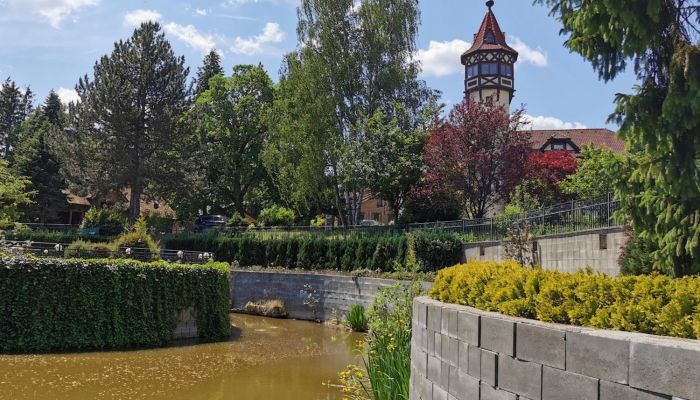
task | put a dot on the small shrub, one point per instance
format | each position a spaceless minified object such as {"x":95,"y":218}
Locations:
{"x":357,"y":320}
{"x":319,"y":221}
{"x":83,"y":249}
{"x":276,"y":216}
{"x":109,"y":221}
{"x":636,"y":256}
{"x":653,"y":304}
{"x":138,"y":238}
{"x":160,"y":224}
{"x":437,"y":249}
{"x":237,"y":221}
{"x":266,"y":308}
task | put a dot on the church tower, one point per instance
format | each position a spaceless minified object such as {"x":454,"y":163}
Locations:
{"x":489,"y":63}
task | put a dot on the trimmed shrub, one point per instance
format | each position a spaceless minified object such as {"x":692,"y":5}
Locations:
{"x":437,"y":249}
{"x":652,"y":304}
{"x":276,"y":216}
{"x":110,"y":222}
{"x":138,"y":238}
{"x":636,"y":257}
{"x":83,"y":249}
{"x":55,"y":237}
{"x":52,"y":304}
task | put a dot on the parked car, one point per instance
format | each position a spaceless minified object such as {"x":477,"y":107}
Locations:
{"x":369,"y":222}
{"x":205,"y":222}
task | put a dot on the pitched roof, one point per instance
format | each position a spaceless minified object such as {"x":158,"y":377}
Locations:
{"x":580,"y":137}
{"x":489,"y":25}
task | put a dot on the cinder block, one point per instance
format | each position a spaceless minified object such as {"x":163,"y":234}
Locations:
{"x":667,"y":366}
{"x":463,"y":361}
{"x":603,"y":355}
{"x":425,"y":389}
{"x":450,"y":350}
{"x":463,"y":386}
{"x":434,"y":369}
{"x":520,"y":377}
{"x":449,"y":322}
{"x":468,"y":328}
{"x":474,"y":362}
{"x":491,"y":393}
{"x":420,"y":312}
{"x":489,"y":367}
{"x":437,"y":337}
{"x":541,"y":344}
{"x":439,"y":393}
{"x":444,"y":375}
{"x":419,"y":360}
{"x":498,"y":335}
{"x":435,"y":318}
{"x":616,"y":391}
{"x":558,"y":384}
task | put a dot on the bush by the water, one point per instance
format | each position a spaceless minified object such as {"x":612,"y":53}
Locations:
{"x":357,"y":320}
{"x":437,"y":249}
{"x":653,"y":304}
{"x":53,"y":304}
{"x":138,"y":238}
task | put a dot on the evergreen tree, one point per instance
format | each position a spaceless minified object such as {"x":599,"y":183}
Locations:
{"x":126,"y":127}
{"x":211,"y":67}
{"x":660,"y":121}
{"x":53,"y":110}
{"x":15,"y":106}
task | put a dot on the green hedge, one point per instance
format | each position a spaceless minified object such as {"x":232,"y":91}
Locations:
{"x":55,"y":237}
{"x":434,"y":250}
{"x":652,"y":304}
{"x":53,"y":304}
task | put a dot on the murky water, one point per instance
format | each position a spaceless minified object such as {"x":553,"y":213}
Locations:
{"x":266,"y":359}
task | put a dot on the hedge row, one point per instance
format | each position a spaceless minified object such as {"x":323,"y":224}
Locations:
{"x":649,"y":304}
{"x":53,"y":304}
{"x":434,"y":250}
{"x":55,"y":237}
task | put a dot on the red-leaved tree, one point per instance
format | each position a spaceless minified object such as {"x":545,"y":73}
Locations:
{"x":478,"y":155}
{"x":543,"y":173}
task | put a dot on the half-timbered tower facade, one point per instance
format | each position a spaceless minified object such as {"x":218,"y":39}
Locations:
{"x":489,"y":64}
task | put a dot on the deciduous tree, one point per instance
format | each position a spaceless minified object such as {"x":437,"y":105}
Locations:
{"x":15,"y":106}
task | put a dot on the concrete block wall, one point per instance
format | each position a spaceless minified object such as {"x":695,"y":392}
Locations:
{"x":186,"y":326}
{"x":597,"y":249}
{"x":460,"y":353}
{"x":335,"y":294}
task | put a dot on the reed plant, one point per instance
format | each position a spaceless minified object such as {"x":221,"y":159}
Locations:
{"x":356,"y":319}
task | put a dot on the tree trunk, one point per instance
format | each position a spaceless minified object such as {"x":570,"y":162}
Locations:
{"x":135,"y":204}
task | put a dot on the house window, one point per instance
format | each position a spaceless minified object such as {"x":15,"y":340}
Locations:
{"x":472,"y":71}
{"x":489,"y":68}
{"x":380,"y":203}
{"x":377,"y":217}
{"x":506,"y":69}
{"x":558,"y":146}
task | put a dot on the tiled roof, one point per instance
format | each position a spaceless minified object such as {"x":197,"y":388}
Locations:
{"x":580,"y":137}
{"x":489,"y":24}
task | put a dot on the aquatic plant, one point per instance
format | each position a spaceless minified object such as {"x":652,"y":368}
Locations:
{"x":357,"y":320}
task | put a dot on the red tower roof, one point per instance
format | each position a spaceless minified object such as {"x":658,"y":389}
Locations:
{"x":490,"y":36}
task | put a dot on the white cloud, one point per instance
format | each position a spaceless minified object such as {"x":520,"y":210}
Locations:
{"x":54,"y":11}
{"x":528,"y":55}
{"x":68,"y":95}
{"x":542,"y":122}
{"x":137,"y":17}
{"x":200,"y":11}
{"x":191,"y":36}
{"x":442,"y":58}
{"x":259,"y":44}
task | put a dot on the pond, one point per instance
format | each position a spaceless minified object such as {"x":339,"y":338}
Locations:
{"x":265,"y":359}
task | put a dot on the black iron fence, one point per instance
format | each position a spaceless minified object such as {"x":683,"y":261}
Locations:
{"x":43,"y":249}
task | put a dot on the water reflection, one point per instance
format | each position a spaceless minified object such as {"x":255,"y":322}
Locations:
{"x":266,"y":359}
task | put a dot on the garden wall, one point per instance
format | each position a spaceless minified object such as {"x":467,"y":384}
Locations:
{"x":335,"y":294}
{"x":466,"y":354}
{"x":597,"y":249}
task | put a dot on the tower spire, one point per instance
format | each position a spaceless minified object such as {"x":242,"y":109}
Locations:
{"x":489,"y":4}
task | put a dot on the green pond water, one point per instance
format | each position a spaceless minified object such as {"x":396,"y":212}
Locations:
{"x":265,"y":359}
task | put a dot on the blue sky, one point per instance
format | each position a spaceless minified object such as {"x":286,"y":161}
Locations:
{"x":51,"y":43}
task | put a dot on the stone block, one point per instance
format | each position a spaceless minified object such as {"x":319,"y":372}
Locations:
{"x":434,"y":318}
{"x":444,"y":375}
{"x":558,"y":384}
{"x":468,"y":328}
{"x":541,"y":344}
{"x":669,"y":366}
{"x":491,"y":393}
{"x":450,"y":350}
{"x":434,"y":369}
{"x":439,"y":393}
{"x":474,"y":362}
{"x":497,"y":335}
{"x":420,"y":310}
{"x":603,"y":355}
{"x":419,"y":360}
{"x":426,"y":389}
{"x":463,"y":359}
{"x":489,"y":367}
{"x":520,"y":377}
{"x":463,"y":386}
{"x":449,"y":322}
{"x":437,"y":337}
{"x":616,"y":391}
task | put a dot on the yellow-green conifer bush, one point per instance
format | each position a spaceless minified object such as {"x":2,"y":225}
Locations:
{"x":653,"y":304}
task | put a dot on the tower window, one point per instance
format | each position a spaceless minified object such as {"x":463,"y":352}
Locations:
{"x":490,"y":39}
{"x":489,"y":68}
{"x":472,"y":71}
{"x":506,"y":69}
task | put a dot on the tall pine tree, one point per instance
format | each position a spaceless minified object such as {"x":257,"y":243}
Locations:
{"x":211,"y":67}
{"x":127,"y":132}
{"x":15,"y":106}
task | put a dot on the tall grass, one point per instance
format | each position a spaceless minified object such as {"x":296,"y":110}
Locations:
{"x":357,"y":320}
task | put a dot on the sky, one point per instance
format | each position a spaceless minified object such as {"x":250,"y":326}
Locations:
{"x":49,"y":44}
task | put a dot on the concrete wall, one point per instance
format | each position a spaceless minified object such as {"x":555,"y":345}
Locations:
{"x":460,"y":353}
{"x":335,"y":294}
{"x":186,"y":326}
{"x":597,"y":249}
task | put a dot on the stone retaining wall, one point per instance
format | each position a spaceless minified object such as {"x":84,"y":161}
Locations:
{"x":597,"y":249}
{"x":335,"y":294}
{"x":460,"y":353}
